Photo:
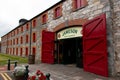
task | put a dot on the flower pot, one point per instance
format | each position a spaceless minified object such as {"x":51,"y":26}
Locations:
{"x":19,"y":77}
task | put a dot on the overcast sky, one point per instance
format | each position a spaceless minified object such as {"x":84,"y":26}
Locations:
{"x":13,"y":10}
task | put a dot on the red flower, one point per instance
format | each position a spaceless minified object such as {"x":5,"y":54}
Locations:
{"x":33,"y":77}
{"x":38,"y":72}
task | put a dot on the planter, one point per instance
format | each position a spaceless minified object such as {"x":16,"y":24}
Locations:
{"x":19,"y":77}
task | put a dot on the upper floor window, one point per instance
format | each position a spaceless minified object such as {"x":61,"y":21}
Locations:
{"x":57,"y":12}
{"x":21,"y":29}
{"x":11,"y":42}
{"x":16,"y":40}
{"x":79,"y":4}
{"x":21,"y":40}
{"x":34,"y":23}
{"x":27,"y":26}
{"x":34,"y":37}
{"x":18,"y":31}
{"x":11,"y":34}
{"x":14,"y":33}
{"x":44,"y":18}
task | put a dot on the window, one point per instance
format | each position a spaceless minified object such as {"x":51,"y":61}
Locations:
{"x":18,"y":31}
{"x":26,"y":38}
{"x":27,"y":26}
{"x":10,"y":50}
{"x":57,"y":12}
{"x":34,"y":37}
{"x":20,"y":51}
{"x":11,"y":34}
{"x":26,"y":51}
{"x":21,"y":40}
{"x":11,"y":42}
{"x":77,"y":4}
{"x":7,"y":42}
{"x":44,"y":18}
{"x":16,"y":51}
{"x":21,"y":29}
{"x":33,"y":50}
{"x":13,"y":51}
{"x":14,"y":33}
{"x":17,"y":41}
{"x":34,"y":23}
{"x":14,"y":41}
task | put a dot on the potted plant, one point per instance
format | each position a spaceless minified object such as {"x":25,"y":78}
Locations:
{"x":37,"y":76}
{"x":19,"y":72}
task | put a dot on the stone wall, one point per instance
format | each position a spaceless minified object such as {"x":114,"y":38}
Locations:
{"x":116,"y":29}
{"x":93,"y":9}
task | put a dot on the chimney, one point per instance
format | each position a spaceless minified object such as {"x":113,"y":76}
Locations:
{"x":22,"y":21}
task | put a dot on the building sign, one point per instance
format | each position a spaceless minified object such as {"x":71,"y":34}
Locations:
{"x":70,"y":33}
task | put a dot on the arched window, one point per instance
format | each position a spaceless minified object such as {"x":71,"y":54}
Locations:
{"x":26,"y":51}
{"x":22,"y":29}
{"x":27,"y":26}
{"x":26,"y":38}
{"x":77,"y":4}
{"x":57,"y":12}
{"x":33,"y":50}
{"x":21,"y":40}
{"x":34,"y":23}
{"x":44,"y":18}
{"x":34,"y":37}
{"x":17,"y":41}
{"x":20,"y":51}
{"x":16,"y":51}
{"x":13,"y":51}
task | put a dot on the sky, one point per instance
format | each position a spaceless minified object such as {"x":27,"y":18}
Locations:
{"x":11,"y":11}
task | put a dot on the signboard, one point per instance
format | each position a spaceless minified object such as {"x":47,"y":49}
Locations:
{"x":70,"y":33}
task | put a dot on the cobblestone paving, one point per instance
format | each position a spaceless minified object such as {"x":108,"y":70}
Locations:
{"x":67,"y":72}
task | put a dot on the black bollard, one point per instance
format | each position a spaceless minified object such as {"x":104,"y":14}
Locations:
{"x":26,"y":72}
{"x":15,"y":64}
{"x":48,"y":76}
{"x":8,"y":64}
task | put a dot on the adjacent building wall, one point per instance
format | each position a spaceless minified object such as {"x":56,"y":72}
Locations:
{"x":116,"y":33}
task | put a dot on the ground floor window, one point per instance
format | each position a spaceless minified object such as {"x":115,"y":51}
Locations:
{"x":20,"y":51}
{"x":26,"y":54}
{"x":33,"y":50}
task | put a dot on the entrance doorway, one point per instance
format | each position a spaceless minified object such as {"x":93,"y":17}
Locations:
{"x":70,"y":51}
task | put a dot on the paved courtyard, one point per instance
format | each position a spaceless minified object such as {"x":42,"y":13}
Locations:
{"x":67,"y":72}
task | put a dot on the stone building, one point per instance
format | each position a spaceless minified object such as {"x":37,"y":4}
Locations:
{"x":83,"y":32}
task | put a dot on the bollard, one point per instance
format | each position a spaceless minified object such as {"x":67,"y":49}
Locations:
{"x":26,"y":72}
{"x":8,"y":64}
{"x":15,"y":64}
{"x":48,"y":76}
